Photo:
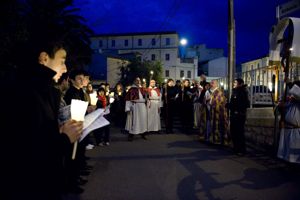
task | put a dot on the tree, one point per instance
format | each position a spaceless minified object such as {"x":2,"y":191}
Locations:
{"x":12,"y":30}
{"x":26,"y":22}
{"x":59,"y":19}
{"x":142,"y":69}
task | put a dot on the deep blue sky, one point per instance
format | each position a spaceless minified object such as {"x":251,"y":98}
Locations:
{"x":200,"y":21}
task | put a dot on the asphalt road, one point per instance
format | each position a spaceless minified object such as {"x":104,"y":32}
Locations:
{"x":179,"y":167}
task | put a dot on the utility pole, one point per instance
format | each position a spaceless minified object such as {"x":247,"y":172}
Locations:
{"x":231,"y":47}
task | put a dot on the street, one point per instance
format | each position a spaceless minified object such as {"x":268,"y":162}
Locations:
{"x":179,"y":167}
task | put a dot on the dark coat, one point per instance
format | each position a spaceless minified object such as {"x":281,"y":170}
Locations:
{"x":74,"y":93}
{"x":33,"y":149}
{"x":239,"y":101}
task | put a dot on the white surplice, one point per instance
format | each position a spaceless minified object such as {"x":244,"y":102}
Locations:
{"x":153,"y":107}
{"x":136,"y":122}
{"x":289,"y":143}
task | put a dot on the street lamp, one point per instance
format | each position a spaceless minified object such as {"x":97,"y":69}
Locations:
{"x":183,"y":42}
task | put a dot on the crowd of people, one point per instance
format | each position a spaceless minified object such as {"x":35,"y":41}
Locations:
{"x":43,"y":141}
{"x":198,"y":106}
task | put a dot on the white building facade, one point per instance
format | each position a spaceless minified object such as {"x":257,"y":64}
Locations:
{"x":155,"y":46}
{"x":218,"y":67}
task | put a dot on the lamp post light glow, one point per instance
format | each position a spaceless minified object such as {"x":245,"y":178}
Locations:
{"x":144,"y":80}
{"x":183,"y":42}
{"x":183,"y":78}
{"x":151,"y":72}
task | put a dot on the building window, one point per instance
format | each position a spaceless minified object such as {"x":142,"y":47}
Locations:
{"x":140,"y":42}
{"x":181,"y":73}
{"x":153,"y":57}
{"x":153,"y":42}
{"x":189,"y":74}
{"x":257,"y":65}
{"x":167,"y":73}
{"x":126,"y":43}
{"x":167,"y":56}
{"x":167,"y":41}
{"x":100,"y":43}
{"x":113,"y":43}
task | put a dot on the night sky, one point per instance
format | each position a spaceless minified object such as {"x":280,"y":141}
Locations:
{"x":200,"y":21}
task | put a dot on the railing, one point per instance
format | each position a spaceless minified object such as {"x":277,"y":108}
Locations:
{"x":265,"y":84}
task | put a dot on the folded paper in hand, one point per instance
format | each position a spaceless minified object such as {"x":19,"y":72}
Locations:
{"x":91,"y":121}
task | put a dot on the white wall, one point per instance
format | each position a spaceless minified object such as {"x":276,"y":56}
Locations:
{"x":218,"y":67}
{"x":160,"y":48}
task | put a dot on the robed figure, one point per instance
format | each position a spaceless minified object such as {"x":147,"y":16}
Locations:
{"x":153,"y":107}
{"x":289,"y":143}
{"x":135,"y":107}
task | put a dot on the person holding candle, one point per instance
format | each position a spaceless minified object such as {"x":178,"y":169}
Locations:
{"x":78,"y":166}
{"x":35,"y":169}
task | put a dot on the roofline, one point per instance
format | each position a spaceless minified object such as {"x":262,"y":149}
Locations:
{"x":259,"y":58}
{"x":134,"y":33}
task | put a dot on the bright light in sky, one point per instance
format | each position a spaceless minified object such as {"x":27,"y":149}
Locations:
{"x":183,"y":41}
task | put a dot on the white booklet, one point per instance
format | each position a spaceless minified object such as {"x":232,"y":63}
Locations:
{"x":92,"y":121}
{"x":98,"y":123}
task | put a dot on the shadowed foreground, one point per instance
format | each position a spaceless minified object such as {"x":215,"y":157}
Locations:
{"x":178,"y":167}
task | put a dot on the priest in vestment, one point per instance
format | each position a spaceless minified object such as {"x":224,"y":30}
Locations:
{"x":135,"y":107}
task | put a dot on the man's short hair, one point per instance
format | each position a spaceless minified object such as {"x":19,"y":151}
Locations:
{"x":63,"y":77}
{"x":169,"y":80}
{"x":240,"y":81}
{"x":76,"y":72}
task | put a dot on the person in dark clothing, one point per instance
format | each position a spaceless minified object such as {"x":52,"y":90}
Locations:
{"x":239,"y":102}
{"x":185,"y":96}
{"x":34,"y":168}
{"x":169,"y":93}
{"x":118,"y":107}
{"x":78,"y":166}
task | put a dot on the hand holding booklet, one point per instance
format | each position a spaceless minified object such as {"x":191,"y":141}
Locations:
{"x":77,"y":111}
{"x":91,"y":121}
